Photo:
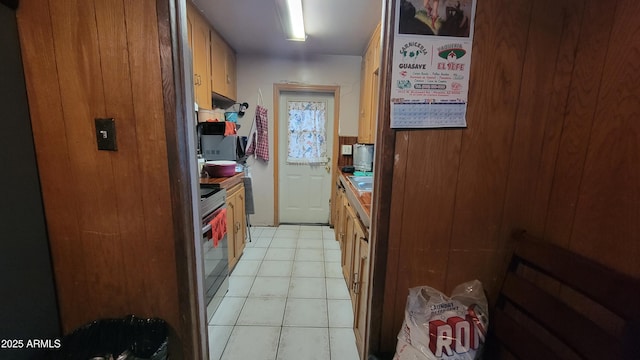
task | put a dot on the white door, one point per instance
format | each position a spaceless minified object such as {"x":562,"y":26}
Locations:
{"x":305,"y":123}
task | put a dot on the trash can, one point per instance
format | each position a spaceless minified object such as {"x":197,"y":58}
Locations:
{"x":129,"y":338}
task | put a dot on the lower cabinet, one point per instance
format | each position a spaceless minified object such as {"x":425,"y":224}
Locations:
{"x":354,"y":245}
{"x":360,"y":288}
{"x":236,"y":223}
{"x":348,"y":244}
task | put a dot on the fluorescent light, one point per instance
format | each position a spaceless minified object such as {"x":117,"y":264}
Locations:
{"x":290,"y":12}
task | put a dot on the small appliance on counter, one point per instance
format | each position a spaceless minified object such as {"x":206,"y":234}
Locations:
{"x":363,"y":157}
{"x":214,"y":145}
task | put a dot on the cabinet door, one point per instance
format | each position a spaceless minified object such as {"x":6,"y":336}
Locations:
{"x":373,"y":112}
{"x":369,"y":90}
{"x":365,"y":99}
{"x":231,"y":81}
{"x":190,"y":29}
{"x":231,"y":238}
{"x":201,"y":64}
{"x":335,"y":211}
{"x":355,"y":270}
{"x":240,"y":219}
{"x":349,"y":246}
{"x":218,"y":64}
{"x":361,"y":289}
{"x":339,"y":225}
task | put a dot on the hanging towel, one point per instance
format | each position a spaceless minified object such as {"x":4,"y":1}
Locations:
{"x":259,"y":141}
{"x":230,"y":128}
{"x":218,"y":226}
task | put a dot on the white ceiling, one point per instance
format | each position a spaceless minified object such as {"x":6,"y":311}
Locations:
{"x":334,"y":27}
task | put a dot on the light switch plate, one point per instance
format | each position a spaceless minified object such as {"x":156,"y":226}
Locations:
{"x":106,"y":134}
{"x":346,"y":150}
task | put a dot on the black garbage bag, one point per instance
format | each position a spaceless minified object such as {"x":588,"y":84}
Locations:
{"x":130,"y":338}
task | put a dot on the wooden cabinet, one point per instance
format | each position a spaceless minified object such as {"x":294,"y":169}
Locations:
{"x":223,"y":67}
{"x":236,"y":223}
{"x":360,"y":286}
{"x":364,"y":116}
{"x":354,"y":245}
{"x":199,"y":42}
{"x":348,"y":245}
{"x":369,"y":90}
{"x":339,"y":214}
{"x":214,"y":61}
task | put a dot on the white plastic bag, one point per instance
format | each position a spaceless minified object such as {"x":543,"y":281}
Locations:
{"x":438,"y":327}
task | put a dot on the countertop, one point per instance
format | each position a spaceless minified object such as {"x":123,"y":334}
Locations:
{"x":361,"y":200}
{"x":223,"y":183}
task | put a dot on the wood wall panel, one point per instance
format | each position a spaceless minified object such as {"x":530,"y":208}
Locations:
{"x":147,"y":97}
{"x":496,"y":72}
{"x":109,"y":214}
{"x":425,"y":214}
{"x":392,"y":274}
{"x":607,"y":220}
{"x":552,"y":146}
{"x":546,"y":78}
{"x":578,"y":120}
{"x":344,"y":160}
{"x":48,"y":126}
{"x":78,"y":62}
{"x":572,"y":21}
{"x":112,"y":41}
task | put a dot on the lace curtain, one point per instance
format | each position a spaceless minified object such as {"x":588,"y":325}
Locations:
{"x":307,"y":132}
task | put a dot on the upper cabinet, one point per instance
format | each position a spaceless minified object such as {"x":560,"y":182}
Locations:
{"x":214,"y":61}
{"x":199,"y":43}
{"x":223,"y":64}
{"x":369,"y":90}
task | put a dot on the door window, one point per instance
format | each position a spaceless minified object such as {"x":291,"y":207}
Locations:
{"x":307,"y":132}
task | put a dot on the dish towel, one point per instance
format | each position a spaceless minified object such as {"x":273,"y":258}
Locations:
{"x":229,"y":128}
{"x":259,"y":140}
{"x":218,"y":226}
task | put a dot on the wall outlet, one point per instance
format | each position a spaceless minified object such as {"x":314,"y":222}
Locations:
{"x":346,"y":150}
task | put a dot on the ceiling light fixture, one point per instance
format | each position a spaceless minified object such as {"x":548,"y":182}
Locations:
{"x":290,"y":12}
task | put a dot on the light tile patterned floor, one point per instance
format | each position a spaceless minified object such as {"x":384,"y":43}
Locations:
{"x":287,"y":300}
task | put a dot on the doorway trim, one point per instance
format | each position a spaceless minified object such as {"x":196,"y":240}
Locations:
{"x":277,"y":89}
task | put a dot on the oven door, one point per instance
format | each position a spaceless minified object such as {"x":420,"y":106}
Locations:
{"x":216,"y":264}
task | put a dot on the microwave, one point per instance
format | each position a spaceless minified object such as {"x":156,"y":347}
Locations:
{"x":214,"y":145}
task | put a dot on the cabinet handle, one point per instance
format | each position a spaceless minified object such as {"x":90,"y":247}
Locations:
{"x":355,"y":287}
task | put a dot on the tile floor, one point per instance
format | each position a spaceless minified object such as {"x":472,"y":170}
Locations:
{"x":287,"y":300}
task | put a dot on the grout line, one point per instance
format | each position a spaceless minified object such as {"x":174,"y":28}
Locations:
{"x":325,"y":298}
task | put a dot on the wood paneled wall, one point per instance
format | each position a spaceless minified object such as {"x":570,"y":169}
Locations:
{"x":552,"y":146}
{"x":109,"y":214}
{"x":344,"y":160}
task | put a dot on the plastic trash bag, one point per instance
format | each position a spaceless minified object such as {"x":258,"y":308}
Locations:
{"x":130,"y":338}
{"x":438,"y":327}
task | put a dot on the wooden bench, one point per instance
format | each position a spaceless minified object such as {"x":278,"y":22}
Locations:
{"x":555,"y":304}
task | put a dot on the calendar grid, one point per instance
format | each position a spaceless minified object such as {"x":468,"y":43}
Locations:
{"x":428,"y":115}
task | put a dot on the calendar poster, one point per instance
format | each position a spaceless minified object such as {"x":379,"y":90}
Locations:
{"x":431,"y":63}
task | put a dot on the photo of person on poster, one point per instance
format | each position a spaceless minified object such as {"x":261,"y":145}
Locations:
{"x":435,"y":17}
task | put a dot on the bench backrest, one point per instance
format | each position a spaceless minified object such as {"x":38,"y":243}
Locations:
{"x":555,"y":304}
